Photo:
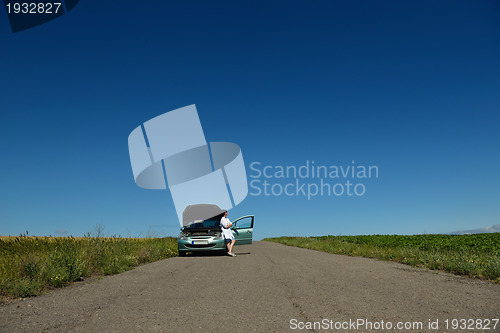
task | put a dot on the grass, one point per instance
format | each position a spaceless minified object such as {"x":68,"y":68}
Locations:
{"x":475,"y":255}
{"x":31,"y":265}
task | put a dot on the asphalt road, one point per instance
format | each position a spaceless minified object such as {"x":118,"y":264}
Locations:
{"x":271,"y":289}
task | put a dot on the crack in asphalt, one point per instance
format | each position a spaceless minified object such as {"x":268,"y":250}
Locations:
{"x":288,"y":292}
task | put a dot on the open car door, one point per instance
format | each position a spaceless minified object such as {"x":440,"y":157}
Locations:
{"x":243,"y":230}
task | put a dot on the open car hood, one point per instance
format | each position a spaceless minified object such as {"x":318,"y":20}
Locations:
{"x":195,"y":213}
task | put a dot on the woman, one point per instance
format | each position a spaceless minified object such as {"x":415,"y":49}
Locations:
{"x":225,"y":225}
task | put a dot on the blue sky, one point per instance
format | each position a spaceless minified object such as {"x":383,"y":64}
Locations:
{"x":412,"y":87}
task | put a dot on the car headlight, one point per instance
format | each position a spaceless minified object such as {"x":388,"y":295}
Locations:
{"x":182,"y":236}
{"x":218,"y":236}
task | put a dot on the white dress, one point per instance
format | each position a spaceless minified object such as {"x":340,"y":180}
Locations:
{"x":226,"y":231}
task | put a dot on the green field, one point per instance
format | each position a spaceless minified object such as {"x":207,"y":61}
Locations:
{"x":475,"y":255}
{"x":31,"y":265}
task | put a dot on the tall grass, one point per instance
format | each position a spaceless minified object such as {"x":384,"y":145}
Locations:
{"x":471,"y":255}
{"x":30,"y":265}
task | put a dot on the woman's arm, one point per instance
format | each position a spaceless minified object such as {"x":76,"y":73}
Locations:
{"x":226,"y":224}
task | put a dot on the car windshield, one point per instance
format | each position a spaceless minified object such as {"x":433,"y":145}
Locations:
{"x":211,"y":223}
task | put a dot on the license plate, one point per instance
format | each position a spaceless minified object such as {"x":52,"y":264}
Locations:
{"x":200,"y":242}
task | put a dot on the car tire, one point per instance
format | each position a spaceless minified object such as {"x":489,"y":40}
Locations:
{"x":182,"y":253}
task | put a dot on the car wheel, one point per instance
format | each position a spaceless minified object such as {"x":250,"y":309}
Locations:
{"x":182,"y":253}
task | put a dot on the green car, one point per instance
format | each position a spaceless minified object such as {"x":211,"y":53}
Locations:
{"x":206,"y":235}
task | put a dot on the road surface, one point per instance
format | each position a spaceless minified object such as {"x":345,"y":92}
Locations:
{"x":272,"y":289}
